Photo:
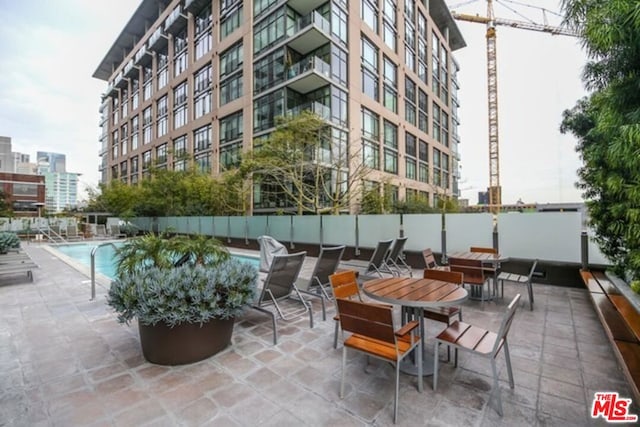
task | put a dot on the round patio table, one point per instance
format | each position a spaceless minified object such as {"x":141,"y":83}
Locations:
{"x":416,"y":294}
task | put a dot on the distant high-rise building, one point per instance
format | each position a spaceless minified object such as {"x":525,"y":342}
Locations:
{"x":61,"y":191}
{"x":51,"y":162}
{"x":22,"y":164}
{"x":6,"y":158}
{"x":198,"y":81}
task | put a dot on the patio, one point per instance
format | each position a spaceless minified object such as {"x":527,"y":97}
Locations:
{"x":66,"y":361}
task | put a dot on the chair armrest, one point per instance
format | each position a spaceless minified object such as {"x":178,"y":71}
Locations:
{"x":408,"y":327}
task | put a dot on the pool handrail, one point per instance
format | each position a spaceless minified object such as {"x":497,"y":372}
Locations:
{"x":93,"y":266}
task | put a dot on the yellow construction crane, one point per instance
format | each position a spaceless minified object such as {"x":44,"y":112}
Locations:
{"x":495,"y":192}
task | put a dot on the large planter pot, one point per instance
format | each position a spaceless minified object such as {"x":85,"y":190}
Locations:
{"x":185,"y":343}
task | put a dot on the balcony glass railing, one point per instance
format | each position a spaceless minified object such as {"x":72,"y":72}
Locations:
{"x":310,"y":64}
{"x":315,"y":19}
{"x":315,"y":107}
{"x":173,"y":17}
{"x":140,"y":54}
{"x":157,"y":34}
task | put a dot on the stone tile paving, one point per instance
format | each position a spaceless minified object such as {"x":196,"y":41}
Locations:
{"x":64,"y":361}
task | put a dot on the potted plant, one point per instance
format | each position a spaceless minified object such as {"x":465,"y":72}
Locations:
{"x":184,"y":292}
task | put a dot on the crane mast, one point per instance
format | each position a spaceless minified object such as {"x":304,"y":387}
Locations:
{"x":495,"y":191}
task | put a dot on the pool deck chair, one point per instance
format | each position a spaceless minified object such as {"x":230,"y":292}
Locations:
{"x":280,"y":285}
{"x":395,"y":261}
{"x":377,"y":264}
{"x":18,"y":263}
{"x":519,"y":279}
{"x":326,"y":265}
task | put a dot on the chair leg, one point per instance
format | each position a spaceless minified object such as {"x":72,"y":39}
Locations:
{"x":420,"y":362}
{"x":397,"y":391}
{"x":344,"y":364}
{"x":530,"y":286}
{"x":455,"y":357}
{"x":435,"y":366}
{"x":335,"y":335}
{"x":508,"y":359}
{"x":496,"y":387}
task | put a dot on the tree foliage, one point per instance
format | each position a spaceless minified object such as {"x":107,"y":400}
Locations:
{"x":607,"y":124}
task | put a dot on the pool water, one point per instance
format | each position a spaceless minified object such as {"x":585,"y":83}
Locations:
{"x":105,"y":257}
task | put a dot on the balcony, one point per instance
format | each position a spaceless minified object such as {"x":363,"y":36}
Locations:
{"x":176,"y":21}
{"x":158,"y":40}
{"x":315,"y":107}
{"x":195,"y":6}
{"x":120,"y":81}
{"x":309,"y":33}
{"x":143,"y":56}
{"x":305,"y":6}
{"x":112,"y":90}
{"x":130,"y":70}
{"x":308,"y":75}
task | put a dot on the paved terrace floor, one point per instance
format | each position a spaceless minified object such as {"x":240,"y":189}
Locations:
{"x":65,"y":361}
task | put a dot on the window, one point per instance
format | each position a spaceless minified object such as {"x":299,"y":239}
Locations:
{"x":202,"y":92}
{"x":147,"y":89}
{"x":162,"y":117}
{"x":445,"y":170}
{"x":436,"y":123}
{"x":370,"y":125}
{"x":437,"y":178}
{"x":161,"y":154}
{"x":202,"y":139}
{"x":180,"y":153}
{"x":231,"y":60}
{"x":180,"y":105}
{"x":230,"y":155}
{"x":146,"y":125}
{"x":410,"y":168}
{"x":266,"y":109}
{"x":203,"y":162}
{"x":230,"y":20}
{"x":389,"y":35}
{"x":371,"y":135}
{"x":203,"y":32}
{"x":267,"y":72}
{"x":370,"y":69}
{"x":135,"y":96}
{"x":231,"y":89}
{"x":231,"y":127}
{"x":134,"y":133}
{"x":390,"y":147}
{"x":180,"y":53}
{"x":390,"y":85}
{"x":272,"y":29}
{"x":423,"y":103}
{"x":423,"y":161}
{"x":260,"y":6}
{"x":409,"y":144}
{"x":369,"y":14}
{"x":163,"y":68}
{"x":146,"y":160}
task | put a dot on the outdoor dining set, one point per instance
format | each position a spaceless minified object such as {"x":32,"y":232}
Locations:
{"x":370,"y":297}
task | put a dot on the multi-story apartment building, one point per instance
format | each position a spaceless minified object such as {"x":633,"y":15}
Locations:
{"x":207,"y":78}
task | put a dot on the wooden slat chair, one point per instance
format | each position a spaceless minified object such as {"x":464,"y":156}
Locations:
{"x":520,"y":279}
{"x":473,"y":271}
{"x":279,"y":285}
{"x":483,"y":250}
{"x":430,"y":261}
{"x":481,"y":342}
{"x":326,"y":265}
{"x":374,"y":334}
{"x":394,"y":260}
{"x":444,"y":314}
{"x":344,"y":284}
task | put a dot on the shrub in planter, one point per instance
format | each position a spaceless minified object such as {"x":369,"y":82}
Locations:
{"x":8,"y":240}
{"x":184,"y":292}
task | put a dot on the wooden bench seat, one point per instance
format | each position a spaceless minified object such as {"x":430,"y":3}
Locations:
{"x":621,"y":322}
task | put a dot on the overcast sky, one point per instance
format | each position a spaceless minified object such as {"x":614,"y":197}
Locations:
{"x":49,"y":101}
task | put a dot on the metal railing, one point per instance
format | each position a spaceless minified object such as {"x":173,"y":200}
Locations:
{"x":93,"y":267}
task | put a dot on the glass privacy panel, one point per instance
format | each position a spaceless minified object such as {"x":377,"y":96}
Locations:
{"x":306,"y":229}
{"x":423,"y":231}
{"x":163,"y":223}
{"x":280,"y":228}
{"x":205,"y":225}
{"x":181,"y":224}
{"x":237,"y":227}
{"x":373,"y":228}
{"x":339,"y":230}
{"x":466,"y":230}
{"x":552,"y":236}
{"x":257,"y":226}
{"x":595,"y":255}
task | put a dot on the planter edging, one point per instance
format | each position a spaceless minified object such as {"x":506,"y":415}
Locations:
{"x":625,"y":289}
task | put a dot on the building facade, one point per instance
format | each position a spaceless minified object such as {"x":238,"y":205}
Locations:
{"x":208,"y":78}
{"x":24,"y":194}
{"x":61,"y":191}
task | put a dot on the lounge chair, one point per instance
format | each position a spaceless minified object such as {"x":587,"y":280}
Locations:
{"x":101,"y":232}
{"x":12,"y":264}
{"x":72,"y":233}
{"x":279,"y":285}
{"x":395,"y":261}
{"x":377,"y":264}
{"x":114,"y":230}
{"x":326,"y":265}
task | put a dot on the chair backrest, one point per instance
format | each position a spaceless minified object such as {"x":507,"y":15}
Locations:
{"x":471,"y":268}
{"x":396,"y":249}
{"x":327,"y":264}
{"x":379,"y":255}
{"x":483,"y":250}
{"x":282,"y":275}
{"x":506,"y":323}
{"x":114,"y":229}
{"x":446,"y":276}
{"x":344,"y":284}
{"x":373,"y":321}
{"x":101,"y":230}
{"x":533,"y":269}
{"x":72,"y":230}
{"x":429,"y":258}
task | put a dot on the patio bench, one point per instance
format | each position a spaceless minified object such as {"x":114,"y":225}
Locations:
{"x":621,"y":322}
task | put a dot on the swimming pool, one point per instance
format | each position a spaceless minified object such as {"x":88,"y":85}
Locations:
{"x":105,"y":256}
